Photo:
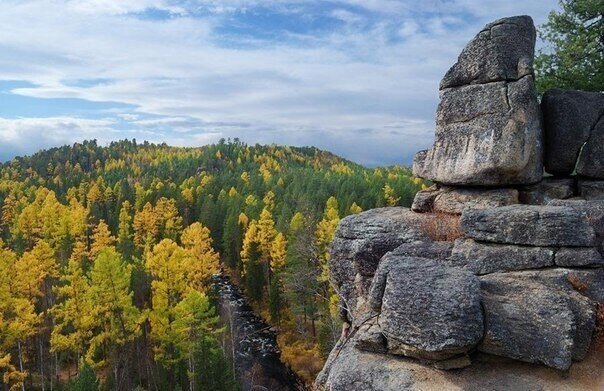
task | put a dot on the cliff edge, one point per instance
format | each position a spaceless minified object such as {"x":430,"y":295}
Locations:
{"x":494,"y":279}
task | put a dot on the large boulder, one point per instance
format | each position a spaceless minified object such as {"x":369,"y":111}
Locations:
{"x":528,"y":321}
{"x":454,"y":200}
{"x":488,"y":130}
{"x":485,"y":258}
{"x":426,"y":309}
{"x":530,"y":225}
{"x":502,"y":50}
{"x":359,"y":243}
{"x":572,"y":122}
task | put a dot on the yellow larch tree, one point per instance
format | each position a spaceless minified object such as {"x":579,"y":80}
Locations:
{"x":249,"y":238}
{"x":146,"y":227}
{"x":72,"y":315}
{"x":18,"y":319}
{"x":101,"y":238}
{"x":167,"y":264}
{"x":325,"y":232}
{"x":115,"y":320}
{"x":170,"y":223}
{"x":266,"y":233}
{"x":278,"y":252}
{"x":390,"y":195}
{"x":204,"y":260}
{"x":34,"y":268}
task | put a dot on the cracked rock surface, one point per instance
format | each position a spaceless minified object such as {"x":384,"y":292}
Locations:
{"x":574,"y":132}
{"x":488,"y":128}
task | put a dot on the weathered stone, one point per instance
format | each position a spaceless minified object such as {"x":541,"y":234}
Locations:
{"x":591,"y":158}
{"x":530,"y":225}
{"x":585,"y":288}
{"x":591,"y":280}
{"x":359,"y":243}
{"x":425,"y":249}
{"x":486,"y":135}
{"x":423,"y":201}
{"x":569,"y":119}
{"x":456,"y":200}
{"x":426,"y":310}
{"x":485,"y":258}
{"x":369,"y":337}
{"x":503,"y":50}
{"x":578,"y":256}
{"x":432,"y":250}
{"x":528,"y":321}
{"x":350,"y":369}
{"x":488,"y":130}
{"x":594,"y":210}
{"x":591,"y":190}
{"x":546,"y":190}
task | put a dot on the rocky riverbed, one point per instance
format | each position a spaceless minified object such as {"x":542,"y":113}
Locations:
{"x":251,"y":344}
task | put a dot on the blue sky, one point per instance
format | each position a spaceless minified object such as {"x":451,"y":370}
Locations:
{"x":356,"y":77}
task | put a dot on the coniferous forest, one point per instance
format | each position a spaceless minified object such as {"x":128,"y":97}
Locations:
{"x":107,"y":253}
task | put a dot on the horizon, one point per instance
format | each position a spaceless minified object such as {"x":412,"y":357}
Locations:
{"x":139,"y":143}
{"x":358,"y":79}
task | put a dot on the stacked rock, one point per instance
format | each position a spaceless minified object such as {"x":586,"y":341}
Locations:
{"x":524,"y":278}
{"x":490,"y":144}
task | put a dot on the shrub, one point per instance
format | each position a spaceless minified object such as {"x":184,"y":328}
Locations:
{"x":441,"y":226}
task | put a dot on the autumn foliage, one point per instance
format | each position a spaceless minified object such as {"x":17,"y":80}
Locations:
{"x":107,"y":254}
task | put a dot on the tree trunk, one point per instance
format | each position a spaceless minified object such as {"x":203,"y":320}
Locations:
{"x":42,"y":363}
{"x":21,"y":363}
{"x":191,"y":373}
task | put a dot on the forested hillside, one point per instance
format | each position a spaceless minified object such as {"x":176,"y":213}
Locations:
{"x":106,"y":255}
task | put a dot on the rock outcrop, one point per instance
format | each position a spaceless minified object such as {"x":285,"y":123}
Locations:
{"x":360,"y":243}
{"x":425,"y":309}
{"x":515,"y":297}
{"x":488,"y":129}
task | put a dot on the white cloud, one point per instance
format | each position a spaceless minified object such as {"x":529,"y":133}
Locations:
{"x":24,"y":135}
{"x":178,"y":72}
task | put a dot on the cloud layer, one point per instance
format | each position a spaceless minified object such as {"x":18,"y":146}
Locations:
{"x":356,"y":77}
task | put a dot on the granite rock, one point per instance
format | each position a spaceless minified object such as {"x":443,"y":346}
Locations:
{"x":485,"y":258}
{"x":530,"y":225}
{"x":426,"y":309}
{"x":569,"y":118}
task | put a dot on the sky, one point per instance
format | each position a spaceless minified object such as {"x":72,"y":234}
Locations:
{"x":356,"y":77}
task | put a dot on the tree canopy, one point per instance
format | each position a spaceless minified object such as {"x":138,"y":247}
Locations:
{"x":574,"y":54}
{"x":108,"y":254}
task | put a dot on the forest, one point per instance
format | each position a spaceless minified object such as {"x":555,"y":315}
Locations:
{"x":107,"y":254}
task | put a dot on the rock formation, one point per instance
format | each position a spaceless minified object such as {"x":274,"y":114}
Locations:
{"x":523,"y":282}
{"x":488,"y":130}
